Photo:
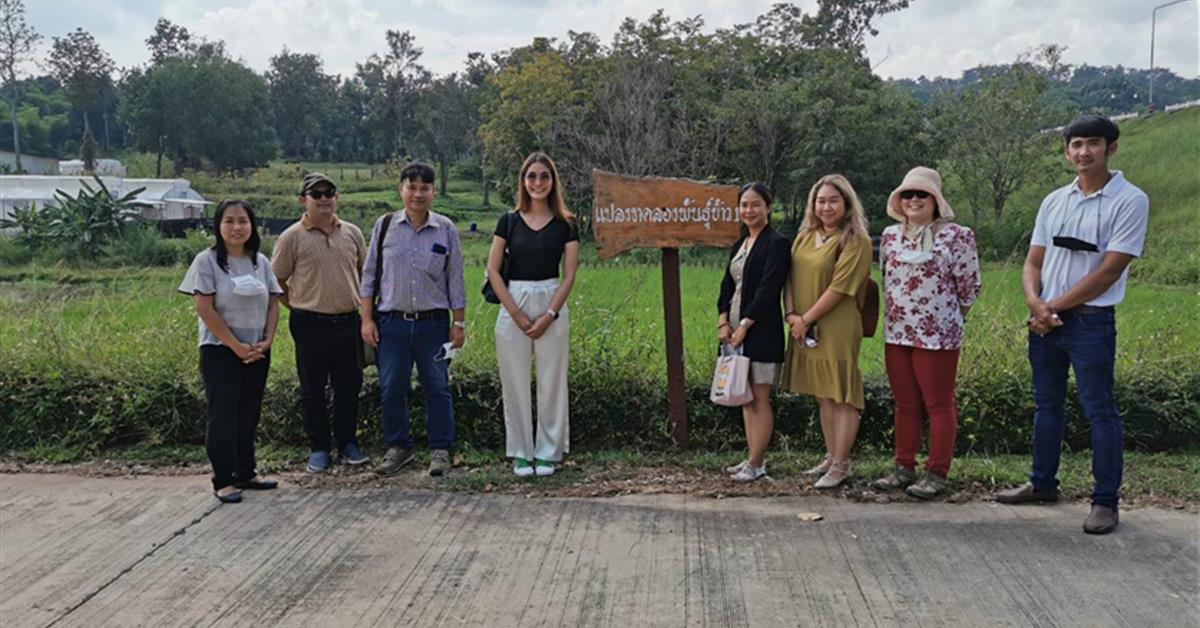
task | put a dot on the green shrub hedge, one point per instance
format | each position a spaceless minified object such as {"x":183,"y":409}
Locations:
{"x":96,"y":357}
{"x":77,"y":408}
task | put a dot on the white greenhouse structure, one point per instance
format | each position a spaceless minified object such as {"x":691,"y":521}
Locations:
{"x":162,"y":199}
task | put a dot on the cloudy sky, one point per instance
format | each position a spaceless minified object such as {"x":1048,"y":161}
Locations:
{"x":932,"y":37}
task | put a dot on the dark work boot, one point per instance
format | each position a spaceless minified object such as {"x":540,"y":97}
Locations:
{"x":1026,"y":494}
{"x":1102,"y":520}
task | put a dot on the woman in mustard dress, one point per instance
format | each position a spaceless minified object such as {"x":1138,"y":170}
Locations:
{"x":831,"y":259}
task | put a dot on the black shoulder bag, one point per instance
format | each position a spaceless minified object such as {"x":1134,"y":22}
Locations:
{"x":368,"y":355}
{"x":489,"y":294}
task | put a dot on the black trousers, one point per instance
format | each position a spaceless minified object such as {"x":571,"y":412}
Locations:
{"x":234,"y":392}
{"x":327,"y":351}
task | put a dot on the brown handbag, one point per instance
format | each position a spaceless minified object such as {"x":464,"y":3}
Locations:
{"x":868,"y":303}
{"x":868,"y":307}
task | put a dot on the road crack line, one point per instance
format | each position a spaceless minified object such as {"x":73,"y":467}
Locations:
{"x":174,"y":535}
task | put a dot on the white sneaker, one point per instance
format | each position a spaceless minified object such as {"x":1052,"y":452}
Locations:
{"x":749,"y":473}
{"x":544,"y":468}
{"x":837,"y":473}
{"x":522,"y":468}
{"x":737,"y":467}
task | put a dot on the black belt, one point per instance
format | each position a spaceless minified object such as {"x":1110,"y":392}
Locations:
{"x":414,"y":316}
{"x":1090,"y":309}
{"x":333,"y":318}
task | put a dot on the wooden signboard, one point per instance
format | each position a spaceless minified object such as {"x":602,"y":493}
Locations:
{"x":636,"y":212}
{"x":655,"y":212}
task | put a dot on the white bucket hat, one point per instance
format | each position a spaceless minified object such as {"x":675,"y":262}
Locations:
{"x":924,"y":179}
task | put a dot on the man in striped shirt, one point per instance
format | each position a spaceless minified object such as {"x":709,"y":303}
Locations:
{"x":418,"y":307}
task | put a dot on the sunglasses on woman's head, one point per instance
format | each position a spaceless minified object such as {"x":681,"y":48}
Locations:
{"x":322,"y":193}
{"x":910,"y":194}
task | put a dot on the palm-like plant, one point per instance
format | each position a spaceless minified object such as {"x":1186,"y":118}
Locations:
{"x":30,"y":223}
{"x":91,"y":218}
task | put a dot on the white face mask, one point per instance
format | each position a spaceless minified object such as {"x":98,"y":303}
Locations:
{"x":248,"y":286}
{"x":446,"y":352}
{"x":914,"y":257}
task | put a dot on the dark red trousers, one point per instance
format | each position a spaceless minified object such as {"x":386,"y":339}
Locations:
{"x":923,"y":384}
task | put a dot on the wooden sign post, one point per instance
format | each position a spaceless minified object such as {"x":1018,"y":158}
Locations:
{"x":644,"y":212}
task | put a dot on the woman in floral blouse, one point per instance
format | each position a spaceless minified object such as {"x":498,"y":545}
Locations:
{"x":930,"y":280}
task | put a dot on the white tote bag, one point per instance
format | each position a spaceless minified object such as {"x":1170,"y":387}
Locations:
{"x":731,"y":380}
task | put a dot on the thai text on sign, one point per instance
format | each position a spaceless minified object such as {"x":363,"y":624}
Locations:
{"x":714,"y":210}
{"x":656,"y":212}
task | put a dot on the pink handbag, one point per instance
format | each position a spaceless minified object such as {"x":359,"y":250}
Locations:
{"x":731,"y":380}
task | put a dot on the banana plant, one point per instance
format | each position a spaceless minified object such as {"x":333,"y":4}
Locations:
{"x":32,"y":225}
{"x":92,"y":217}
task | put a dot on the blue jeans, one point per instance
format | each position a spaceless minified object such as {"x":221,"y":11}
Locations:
{"x":1086,"y":343}
{"x":401,"y":343}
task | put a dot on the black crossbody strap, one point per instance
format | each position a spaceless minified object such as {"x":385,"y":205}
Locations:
{"x":383,"y":229}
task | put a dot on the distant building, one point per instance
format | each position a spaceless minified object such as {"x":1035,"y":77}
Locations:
{"x":104,"y":168}
{"x":168,"y":199}
{"x":31,"y":164}
{"x":162,"y":199}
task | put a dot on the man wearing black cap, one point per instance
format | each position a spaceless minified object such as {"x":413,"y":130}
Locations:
{"x":1084,"y":237}
{"x":318,"y":262}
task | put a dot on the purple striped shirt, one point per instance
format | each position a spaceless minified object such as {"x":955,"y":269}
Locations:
{"x":422,"y":270}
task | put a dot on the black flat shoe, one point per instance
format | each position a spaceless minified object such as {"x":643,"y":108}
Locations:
{"x":258,"y":485}
{"x":232,"y":498}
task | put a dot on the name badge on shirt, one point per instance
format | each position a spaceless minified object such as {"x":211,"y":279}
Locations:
{"x":439,"y":249}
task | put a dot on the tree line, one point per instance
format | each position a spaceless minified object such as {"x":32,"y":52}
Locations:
{"x":783,"y":100}
{"x":1109,"y":90}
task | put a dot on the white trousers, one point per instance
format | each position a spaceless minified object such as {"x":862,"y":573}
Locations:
{"x":514,"y":353}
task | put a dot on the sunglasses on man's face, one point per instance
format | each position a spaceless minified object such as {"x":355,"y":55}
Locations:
{"x":911,"y":194}
{"x":322,"y":193}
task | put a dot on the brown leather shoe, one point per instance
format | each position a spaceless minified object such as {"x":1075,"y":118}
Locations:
{"x":1026,"y":494}
{"x":1102,"y":520}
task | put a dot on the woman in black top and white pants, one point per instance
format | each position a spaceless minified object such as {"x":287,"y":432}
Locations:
{"x":533,"y":323}
{"x":750,"y":316}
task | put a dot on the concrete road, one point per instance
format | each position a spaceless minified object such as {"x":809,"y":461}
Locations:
{"x":160,"y":551}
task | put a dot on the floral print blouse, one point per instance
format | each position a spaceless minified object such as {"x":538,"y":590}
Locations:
{"x":923,"y":300}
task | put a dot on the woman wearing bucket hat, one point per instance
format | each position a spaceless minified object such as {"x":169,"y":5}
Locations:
{"x":930,"y":279}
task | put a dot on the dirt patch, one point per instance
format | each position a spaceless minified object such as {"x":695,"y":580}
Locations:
{"x":573,"y":481}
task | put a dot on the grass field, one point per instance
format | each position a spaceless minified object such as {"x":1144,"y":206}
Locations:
{"x":129,"y":330}
{"x":1160,"y":155}
{"x":362,"y":197}
{"x":134,"y":319}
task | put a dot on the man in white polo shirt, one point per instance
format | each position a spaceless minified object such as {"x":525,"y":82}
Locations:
{"x":1084,"y":238}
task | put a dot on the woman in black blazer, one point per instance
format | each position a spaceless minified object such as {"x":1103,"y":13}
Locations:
{"x":750,"y":317}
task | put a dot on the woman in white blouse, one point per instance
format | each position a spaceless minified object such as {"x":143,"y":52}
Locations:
{"x":237,"y":306}
{"x":930,"y":280}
